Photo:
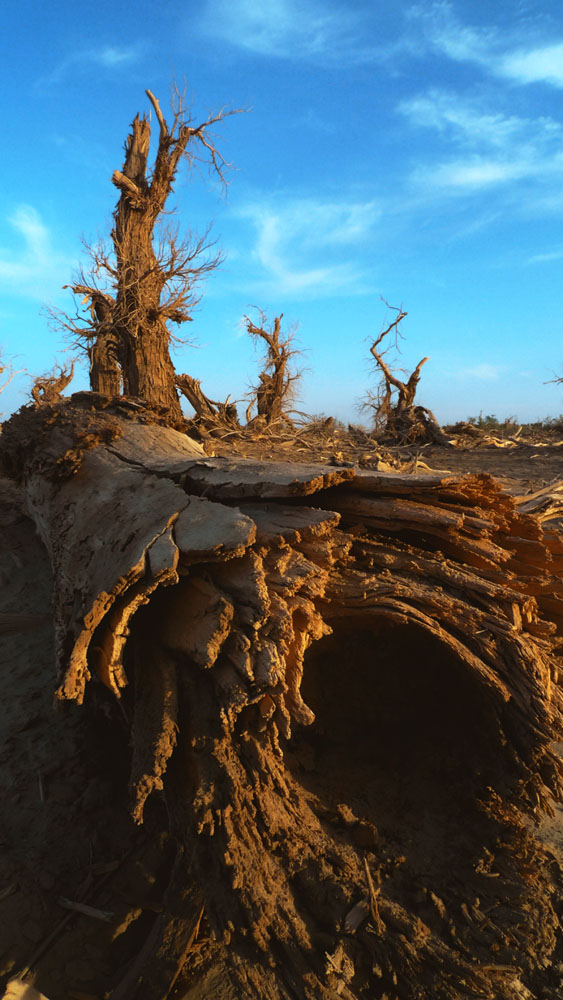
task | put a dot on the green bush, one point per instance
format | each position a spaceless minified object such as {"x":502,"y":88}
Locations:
{"x":492,"y":425}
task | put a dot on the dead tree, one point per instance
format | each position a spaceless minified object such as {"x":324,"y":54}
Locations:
{"x":148,"y":279}
{"x":209,"y":413}
{"x":48,"y":388}
{"x":345,"y":686}
{"x":274,"y":393}
{"x":392,"y":406}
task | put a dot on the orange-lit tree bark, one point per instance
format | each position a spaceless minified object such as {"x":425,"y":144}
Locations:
{"x":345,"y":686}
{"x":147,"y":280}
{"x":48,"y":388}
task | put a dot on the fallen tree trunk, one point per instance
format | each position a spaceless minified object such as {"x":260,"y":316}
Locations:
{"x":344,"y":684}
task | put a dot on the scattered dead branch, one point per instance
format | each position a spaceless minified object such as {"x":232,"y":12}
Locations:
{"x":10,"y":373}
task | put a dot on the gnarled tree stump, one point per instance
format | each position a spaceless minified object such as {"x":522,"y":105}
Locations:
{"x":344,"y":684}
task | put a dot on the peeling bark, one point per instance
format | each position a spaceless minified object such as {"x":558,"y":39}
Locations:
{"x":345,"y":685}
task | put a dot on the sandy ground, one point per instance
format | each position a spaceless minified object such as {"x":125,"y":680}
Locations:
{"x":520,"y":470}
{"x":65,"y":834}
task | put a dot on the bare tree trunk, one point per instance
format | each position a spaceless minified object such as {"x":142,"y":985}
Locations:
{"x":150,"y":278}
{"x":346,"y":690}
{"x":105,"y":369}
{"x":143,"y":338}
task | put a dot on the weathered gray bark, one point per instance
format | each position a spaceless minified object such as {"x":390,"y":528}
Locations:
{"x":346,"y":687}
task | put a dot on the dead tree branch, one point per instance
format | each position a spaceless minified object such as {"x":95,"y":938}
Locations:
{"x":210,"y":414}
{"x":11,"y":376}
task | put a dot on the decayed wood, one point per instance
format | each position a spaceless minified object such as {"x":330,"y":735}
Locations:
{"x":18,"y":989}
{"x":48,"y":389}
{"x":229,"y":594}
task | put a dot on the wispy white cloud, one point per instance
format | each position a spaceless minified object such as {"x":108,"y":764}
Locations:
{"x":547,"y":257}
{"x":109,"y":57}
{"x":536,"y":65}
{"x":288,"y":29}
{"x":291,"y":240}
{"x":35,"y":269}
{"x":509,"y":54}
{"x":474,"y":174}
{"x":466,"y":122}
{"x":336,"y":33}
{"x":473,"y":224}
{"x":484,"y":372}
{"x":444,"y":32}
{"x":496,"y":148}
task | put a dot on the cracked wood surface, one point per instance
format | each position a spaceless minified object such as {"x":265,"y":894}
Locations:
{"x":402,"y":633}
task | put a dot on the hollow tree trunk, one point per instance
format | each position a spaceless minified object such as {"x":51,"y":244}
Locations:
{"x":345,"y":685}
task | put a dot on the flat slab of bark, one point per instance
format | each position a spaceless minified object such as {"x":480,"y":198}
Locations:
{"x":155,"y":448}
{"x":226,"y":479}
{"x":278,"y":523}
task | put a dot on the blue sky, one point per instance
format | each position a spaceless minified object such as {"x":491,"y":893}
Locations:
{"x":410,"y":151}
